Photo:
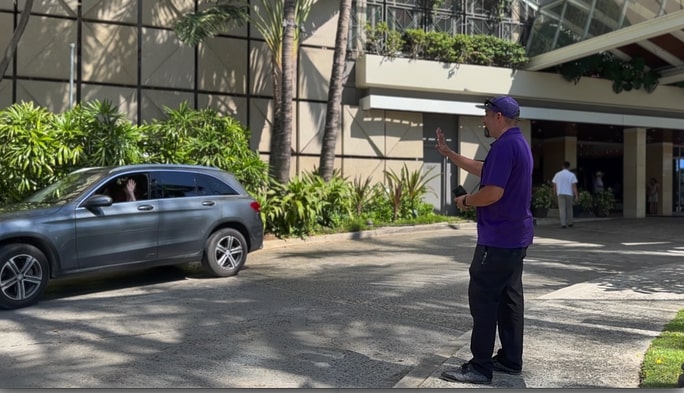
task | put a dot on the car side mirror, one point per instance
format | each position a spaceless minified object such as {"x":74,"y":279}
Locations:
{"x":98,"y":200}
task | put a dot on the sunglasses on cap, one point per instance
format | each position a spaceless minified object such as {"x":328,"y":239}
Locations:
{"x":506,"y":111}
{"x":489,"y":105}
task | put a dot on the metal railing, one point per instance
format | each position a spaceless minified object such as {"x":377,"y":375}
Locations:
{"x":513,"y":22}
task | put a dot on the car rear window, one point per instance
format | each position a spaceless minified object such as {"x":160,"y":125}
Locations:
{"x":169,"y":184}
{"x":209,"y":185}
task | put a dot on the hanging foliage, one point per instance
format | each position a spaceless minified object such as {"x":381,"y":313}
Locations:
{"x":626,"y":75}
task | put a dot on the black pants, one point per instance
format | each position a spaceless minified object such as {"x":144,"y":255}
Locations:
{"x":495,"y":294}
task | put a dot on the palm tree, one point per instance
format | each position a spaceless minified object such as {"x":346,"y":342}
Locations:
{"x":269,"y":23}
{"x":12,"y":46}
{"x":281,"y":140}
{"x":268,"y":20}
{"x":337,"y":79}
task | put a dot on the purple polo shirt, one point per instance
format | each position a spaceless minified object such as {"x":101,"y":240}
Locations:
{"x":507,"y":223}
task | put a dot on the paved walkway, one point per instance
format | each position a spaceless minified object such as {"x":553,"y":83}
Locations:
{"x":591,"y":334}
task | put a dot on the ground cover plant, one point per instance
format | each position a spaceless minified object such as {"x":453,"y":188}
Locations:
{"x":662,"y":366}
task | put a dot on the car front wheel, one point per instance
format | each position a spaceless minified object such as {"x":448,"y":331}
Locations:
{"x":225,"y":252}
{"x":23,"y":275}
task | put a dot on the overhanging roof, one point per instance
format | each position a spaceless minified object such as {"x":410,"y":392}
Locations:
{"x":658,"y":39}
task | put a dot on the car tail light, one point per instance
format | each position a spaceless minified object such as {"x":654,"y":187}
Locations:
{"x":256,"y":206}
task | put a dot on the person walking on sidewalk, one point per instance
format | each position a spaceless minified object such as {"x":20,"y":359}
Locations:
{"x":565,"y":188}
{"x":505,"y":229}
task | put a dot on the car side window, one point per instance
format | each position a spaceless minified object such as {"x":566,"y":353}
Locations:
{"x":209,"y":185}
{"x":126,"y":188}
{"x":173,"y":185}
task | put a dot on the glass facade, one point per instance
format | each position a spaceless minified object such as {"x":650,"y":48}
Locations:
{"x":559,"y":23}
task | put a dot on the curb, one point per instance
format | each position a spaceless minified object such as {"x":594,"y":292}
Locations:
{"x":364,"y":235}
{"x":424,"y":370}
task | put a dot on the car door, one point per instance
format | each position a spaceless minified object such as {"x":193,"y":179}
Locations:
{"x":123,"y":233}
{"x":187,"y":213}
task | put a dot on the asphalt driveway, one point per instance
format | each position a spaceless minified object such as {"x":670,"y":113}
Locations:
{"x":332,"y":312}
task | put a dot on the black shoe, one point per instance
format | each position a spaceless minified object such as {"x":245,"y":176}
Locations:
{"x":563,"y":226}
{"x":504,"y":369}
{"x":466,"y":374}
{"x":571,"y":225}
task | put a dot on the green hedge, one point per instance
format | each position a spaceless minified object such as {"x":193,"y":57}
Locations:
{"x":460,"y":48}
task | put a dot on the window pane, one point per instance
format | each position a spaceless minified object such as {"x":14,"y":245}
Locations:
{"x":208,"y":185}
{"x":115,"y":187}
{"x":173,"y":185}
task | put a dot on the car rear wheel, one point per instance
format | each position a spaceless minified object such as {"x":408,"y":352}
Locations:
{"x":23,"y":275}
{"x":225,"y":252}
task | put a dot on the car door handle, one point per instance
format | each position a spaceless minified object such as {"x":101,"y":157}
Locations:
{"x":145,"y":207}
{"x":208,"y":203}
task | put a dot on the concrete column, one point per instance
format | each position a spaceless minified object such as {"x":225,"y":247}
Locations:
{"x":526,"y":129}
{"x":556,"y":151}
{"x":473,"y":144}
{"x":659,"y":165}
{"x":634,"y":173}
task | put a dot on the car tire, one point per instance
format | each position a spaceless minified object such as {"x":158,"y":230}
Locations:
{"x":24,"y":273}
{"x":225,"y":252}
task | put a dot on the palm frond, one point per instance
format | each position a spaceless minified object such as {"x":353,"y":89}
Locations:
{"x":268,"y":20}
{"x":191,"y":29}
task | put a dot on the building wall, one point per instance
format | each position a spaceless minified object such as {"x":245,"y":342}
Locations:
{"x":128,"y":54}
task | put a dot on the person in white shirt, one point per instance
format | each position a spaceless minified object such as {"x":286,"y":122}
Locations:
{"x":565,"y":188}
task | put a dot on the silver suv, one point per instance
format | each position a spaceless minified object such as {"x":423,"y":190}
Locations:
{"x":126,"y":217}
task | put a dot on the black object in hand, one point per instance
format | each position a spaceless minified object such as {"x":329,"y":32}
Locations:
{"x":458,"y":191}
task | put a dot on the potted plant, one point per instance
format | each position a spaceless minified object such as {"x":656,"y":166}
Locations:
{"x":542,"y":199}
{"x":585,"y":204}
{"x":604,"y":202}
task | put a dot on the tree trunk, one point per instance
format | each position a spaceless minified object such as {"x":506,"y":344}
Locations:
{"x":338,"y":78}
{"x":277,"y":125}
{"x":283,"y":150}
{"x":14,"y":42}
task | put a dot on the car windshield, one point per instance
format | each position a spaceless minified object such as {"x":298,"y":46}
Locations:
{"x":67,"y":188}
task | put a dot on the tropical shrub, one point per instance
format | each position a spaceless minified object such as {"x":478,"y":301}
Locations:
{"x":405,"y":190}
{"x":362,"y":191}
{"x":204,"y":137}
{"x":292,"y":209}
{"x":30,"y":150}
{"x":37,"y":146}
{"x":101,"y":134}
{"x":337,"y":195}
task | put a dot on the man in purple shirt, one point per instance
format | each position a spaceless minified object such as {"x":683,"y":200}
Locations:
{"x":504,"y":231}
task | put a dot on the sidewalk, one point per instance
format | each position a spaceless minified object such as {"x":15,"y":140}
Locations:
{"x":588,"y":335}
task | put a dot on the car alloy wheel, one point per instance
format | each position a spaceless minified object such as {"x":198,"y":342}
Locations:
{"x":225,"y":252}
{"x":23,"y":275}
